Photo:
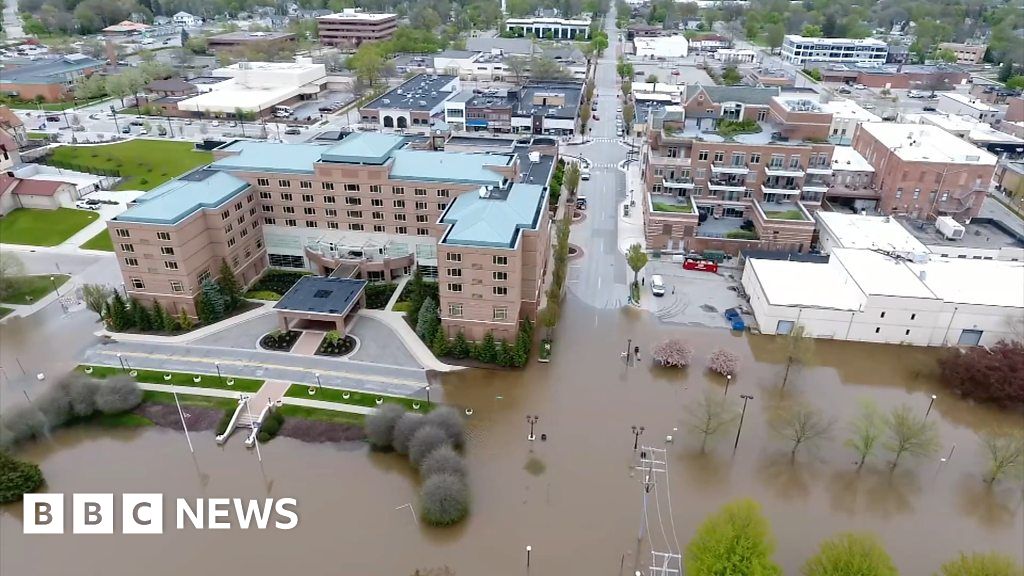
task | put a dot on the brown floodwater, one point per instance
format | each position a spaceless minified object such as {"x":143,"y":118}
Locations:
{"x":572,"y":497}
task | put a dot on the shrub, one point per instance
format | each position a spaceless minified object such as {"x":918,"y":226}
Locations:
{"x":270,"y":427}
{"x":377,"y":295}
{"x":995,"y":374}
{"x":444,"y":499}
{"x":17,"y":478}
{"x":118,"y":394}
{"x":54,"y":405}
{"x":450,"y":422}
{"x":724,"y":362}
{"x":427,"y":439}
{"x":673,"y":352}
{"x":23,"y":423}
{"x":444,"y":460}
{"x":380,"y":425}
{"x":404,"y":430}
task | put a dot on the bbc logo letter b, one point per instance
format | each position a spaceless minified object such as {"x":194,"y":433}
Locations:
{"x":43,"y":513}
{"x":92,"y":514}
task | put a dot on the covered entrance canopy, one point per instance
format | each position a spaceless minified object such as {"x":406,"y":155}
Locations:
{"x":321,"y":300}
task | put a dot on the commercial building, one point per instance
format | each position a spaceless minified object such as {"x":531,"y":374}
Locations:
{"x":961,"y":105}
{"x":242,"y":40}
{"x":549,"y":28}
{"x":351,"y":27}
{"x":966,"y":53}
{"x":736,"y":56}
{"x":126,"y":28}
{"x":368,"y":207}
{"x":710,"y":187}
{"x":709,"y":43}
{"x":1009,"y":180}
{"x":923,"y":171}
{"x":872,"y":296}
{"x":13,"y":126}
{"x":51,"y":78}
{"x":846,"y":116}
{"x":493,"y":65}
{"x":255,"y":87}
{"x":982,"y":135}
{"x":852,"y":181}
{"x":186,"y":20}
{"x":661,"y":47}
{"x":550,"y":108}
{"x":413,"y":104}
{"x":1015,"y":109}
{"x":903,"y":76}
{"x":799,"y":49}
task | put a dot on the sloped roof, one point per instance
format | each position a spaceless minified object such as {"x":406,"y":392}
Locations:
{"x":745,"y":94}
{"x":9,"y":119}
{"x":32,"y":187}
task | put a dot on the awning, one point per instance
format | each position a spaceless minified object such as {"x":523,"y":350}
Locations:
{"x":476,"y":122}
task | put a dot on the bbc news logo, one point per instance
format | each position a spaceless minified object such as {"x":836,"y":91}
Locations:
{"x":144,"y":514}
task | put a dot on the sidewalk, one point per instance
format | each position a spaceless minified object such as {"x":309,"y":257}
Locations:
{"x":265,"y":308}
{"x":398,"y":293}
{"x":335,"y":406}
{"x":631,"y":228}
{"x":412,"y":342}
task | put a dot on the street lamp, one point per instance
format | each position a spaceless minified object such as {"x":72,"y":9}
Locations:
{"x":121,"y":360}
{"x":930,"y":404}
{"x":220,"y":378}
{"x":318,"y":385}
{"x":532,"y":420}
{"x":742,"y":414}
{"x":728,"y":380}
{"x":113,"y":112}
{"x":427,"y":388}
{"x":637,"y":432}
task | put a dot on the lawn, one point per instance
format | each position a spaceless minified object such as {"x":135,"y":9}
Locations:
{"x":662,"y":207}
{"x":29,"y":289}
{"x":144,"y":164}
{"x":306,"y":413}
{"x":4,"y":312}
{"x":50,"y":106}
{"x":180,"y":378}
{"x":189,"y":399}
{"x":368,"y":400}
{"x":784,"y":215}
{"x":37,"y":227}
{"x":262,"y":295}
{"x":101,"y":241}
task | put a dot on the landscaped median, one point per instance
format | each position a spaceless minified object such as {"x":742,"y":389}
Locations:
{"x":176,"y":378}
{"x":354,"y":398}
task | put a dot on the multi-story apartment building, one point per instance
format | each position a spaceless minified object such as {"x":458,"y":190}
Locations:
{"x":708,"y":187}
{"x":799,"y":49}
{"x":367,"y":207}
{"x":351,"y":27}
{"x":923,"y":171}
{"x":966,"y":53}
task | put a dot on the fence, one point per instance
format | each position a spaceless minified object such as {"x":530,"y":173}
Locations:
{"x":49,"y":160}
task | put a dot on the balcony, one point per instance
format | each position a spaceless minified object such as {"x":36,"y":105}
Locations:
{"x":728,"y":183}
{"x":664,"y":204}
{"x":779,"y":189}
{"x":677,"y":184}
{"x":784,"y":210}
{"x":658,"y":160}
{"x":729,"y":169}
{"x":821,"y":170}
{"x":783,"y":171}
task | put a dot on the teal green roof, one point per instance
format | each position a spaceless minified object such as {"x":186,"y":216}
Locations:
{"x":173,"y":201}
{"x":270,"y":157}
{"x":448,"y":167}
{"x":364,"y":148}
{"x":494,"y":222}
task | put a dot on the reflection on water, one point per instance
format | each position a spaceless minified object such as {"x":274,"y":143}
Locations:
{"x":573,"y":498}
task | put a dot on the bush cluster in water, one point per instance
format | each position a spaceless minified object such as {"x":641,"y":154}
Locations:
{"x":431,"y":443}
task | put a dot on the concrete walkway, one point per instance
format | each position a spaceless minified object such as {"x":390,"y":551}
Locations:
{"x":631,"y":228}
{"x":397,"y":294}
{"x":335,"y":406}
{"x":416,"y":347}
{"x":217,"y":392}
{"x":308,"y":343}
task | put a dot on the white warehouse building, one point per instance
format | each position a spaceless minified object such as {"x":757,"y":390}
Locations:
{"x":661,"y":47}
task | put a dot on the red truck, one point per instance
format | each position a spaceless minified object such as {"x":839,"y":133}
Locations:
{"x":701,"y":265}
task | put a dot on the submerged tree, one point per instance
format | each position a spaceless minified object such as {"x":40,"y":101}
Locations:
{"x":800,"y":424}
{"x":850,"y":555}
{"x":865,"y":431}
{"x":736,"y":541}
{"x":673,"y":352}
{"x":908,"y":433}
{"x":979,"y":564}
{"x":1005,"y":451}
{"x":637,"y":259}
{"x":799,"y":349}
{"x":709,"y":416}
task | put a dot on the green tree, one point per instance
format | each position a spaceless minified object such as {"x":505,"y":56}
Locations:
{"x":229,"y":285}
{"x":211,"y":305}
{"x":439,"y":346}
{"x":909,"y":433}
{"x":549,"y":316}
{"x":651,"y":79}
{"x":185,"y":321}
{"x":17,"y":478}
{"x":1006,"y":71}
{"x":811,"y":31}
{"x":799,"y":350}
{"x":158,"y":316}
{"x":731,"y":76}
{"x":865,"y":431}
{"x":487,"y":351}
{"x":427,"y":320}
{"x":170,"y":322}
{"x":117,"y":315}
{"x":460,"y":348}
{"x":96,"y":297}
{"x":850,"y":554}
{"x":1016,"y":82}
{"x":979,"y":564}
{"x":628,"y":115}
{"x":946,"y":56}
{"x":92,"y":86}
{"x":774,"y":34}
{"x":736,"y":541}
{"x":572,"y":178}
{"x":503,"y":357}
{"x":637,"y":259}
{"x":140,"y":315}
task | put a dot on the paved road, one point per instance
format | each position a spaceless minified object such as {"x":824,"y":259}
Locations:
{"x":599,"y":278}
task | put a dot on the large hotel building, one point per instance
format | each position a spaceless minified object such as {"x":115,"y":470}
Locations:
{"x":369,"y":207}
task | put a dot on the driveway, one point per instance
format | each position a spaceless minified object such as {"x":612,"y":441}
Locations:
{"x":691,"y":298}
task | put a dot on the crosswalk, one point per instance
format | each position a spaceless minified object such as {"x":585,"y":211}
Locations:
{"x":605,"y":165}
{"x":604,"y":139}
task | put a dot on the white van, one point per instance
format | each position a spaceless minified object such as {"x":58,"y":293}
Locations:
{"x":657,"y":285}
{"x":585,"y":174}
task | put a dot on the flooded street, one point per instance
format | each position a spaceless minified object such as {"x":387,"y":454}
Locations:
{"x":572,"y":498}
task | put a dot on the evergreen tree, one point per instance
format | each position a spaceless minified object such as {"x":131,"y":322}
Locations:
{"x":427,"y":320}
{"x":416,"y":294}
{"x":1006,"y":70}
{"x":229,"y":286}
{"x":439,"y":346}
{"x":522,"y":350}
{"x":117,"y":312}
{"x":211,"y":304}
{"x":170,"y":323}
{"x":158,"y":316}
{"x":185,"y":321}
{"x":504,"y":356}
{"x":487,"y":351}
{"x":140,"y":316}
{"x":460,"y":349}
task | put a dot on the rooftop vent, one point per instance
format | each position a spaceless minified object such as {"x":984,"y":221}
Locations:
{"x":534,"y":157}
{"x":484,"y":192}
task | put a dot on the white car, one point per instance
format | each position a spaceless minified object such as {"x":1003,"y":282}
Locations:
{"x":86,"y":205}
{"x":657,"y":285}
{"x":215,"y":123}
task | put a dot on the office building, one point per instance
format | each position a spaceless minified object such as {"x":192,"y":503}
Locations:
{"x":798,"y":50}
{"x":351,"y":27}
{"x":549,"y":28}
{"x":970,"y":54}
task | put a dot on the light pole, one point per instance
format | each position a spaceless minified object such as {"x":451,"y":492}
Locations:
{"x":532,"y":420}
{"x":742,"y":414}
{"x":127,"y":365}
{"x":121,"y":360}
{"x":629,"y":345}
{"x":56,"y":291}
{"x":427,"y":388}
{"x":113,"y":112}
{"x":728,"y":380}
{"x":220,"y":378}
{"x":637,"y":432}
{"x":930,"y":404}
{"x":318,"y":385}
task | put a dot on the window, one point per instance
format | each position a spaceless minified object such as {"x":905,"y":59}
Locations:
{"x":719,"y":156}
{"x":443,"y":193}
{"x":252,"y":211}
{"x":266,"y":195}
{"x":702,"y":155}
{"x":286,"y":261}
{"x":883,"y":315}
{"x":378,"y":228}
{"x":291,"y":222}
{"x":423,"y":232}
{"x":328,"y":199}
{"x":738,"y":159}
{"x":284,"y":183}
{"x":453,"y":257}
{"x":354,"y":213}
{"x":241,"y":219}
{"x":398,"y":190}
{"x":499,"y":276}
{"x":234,"y":261}
{"x":133,"y":262}
{"x":267,"y":208}
{"x":455,"y":310}
{"x":355,"y":227}
{"x":327,"y":185}
{"x":755,"y":157}
{"x":420,"y":192}
{"x":877,"y":330}
{"x":351,"y":187}
{"x":306,"y":185}
{"x":288,"y":209}
{"x":333,"y":225}
{"x":330,"y":212}
{"x":176,"y":286}
{"x":238,"y":206}
{"x":399,"y":203}
{"x":907,"y":333}
{"x":500,"y":312}
{"x":912,"y":316}
{"x":225,"y":214}
{"x":455,"y":272}
{"x":167,"y":250}
{"x":259,"y":243}
{"x":309,"y":211}
{"x":163,"y":235}
{"x":307,"y":198}
{"x":421,"y":205}
{"x":286,"y":196}
{"x":376,"y":202}
{"x":794,"y":162}
{"x":127,"y":248}
{"x":312,"y":224}
{"x":401,"y":230}
{"x":263,"y":182}
{"x":255,"y":224}
{"x":399,"y":217}
{"x":499,"y":260}
{"x":269,"y":221}
{"x":375,"y":188}
{"x":138,"y":284}
{"x":203,"y":276}
{"x":231,"y":242}
{"x":442,"y":207}
{"x":377,"y":215}
{"x":353,"y":201}
{"x":453,"y":287}
{"x":899,"y":193}
{"x":762,"y":115}
{"x":170,"y":264}
{"x":421,"y":218}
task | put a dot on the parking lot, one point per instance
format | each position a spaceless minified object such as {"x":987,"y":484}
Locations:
{"x":688,"y":72}
{"x":311,"y":108}
{"x":692,"y":298}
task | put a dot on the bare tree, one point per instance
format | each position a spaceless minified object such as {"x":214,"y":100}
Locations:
{"x":96,"y":296}
{"x":800,"y":424}
{"x":517,"y":65}
{"x":799,"y":349}
{"x":709,"y":416}
{"x":1005,"y":450}
{"x":865,"y":431}
{"x":908,"y":433}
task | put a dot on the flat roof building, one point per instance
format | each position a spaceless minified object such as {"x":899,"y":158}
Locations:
{"x":963,"y":105}
{"x":413,"y":103}
{"x":965,"y":53}
{"x":661,"y":47}
{"x":51,"y":78}
{"x":242,"y":39}
{"x":351,"y":27}
{"x":550,"y":28}
{"x":256,"y":87}
{"x":798,"y":49}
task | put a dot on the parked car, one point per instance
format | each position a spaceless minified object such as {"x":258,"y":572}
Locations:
{"x":215,"y":123}
{"x":929,"y":108}
{"x":859,"y":87}
{"x":869,"y":106}
{"x":585,"y":174}
{"x":292,"y":131}
{"x":657,"y":285}
{"x":126,"y":130}
{"x":87,"y":205}
{"x":136,"y":122}
{"x":53,"y":118}
{"x":596,"y":117}
{"x":675,"y":72}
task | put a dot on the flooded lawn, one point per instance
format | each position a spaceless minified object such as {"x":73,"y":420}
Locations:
{"x":573,"y":497}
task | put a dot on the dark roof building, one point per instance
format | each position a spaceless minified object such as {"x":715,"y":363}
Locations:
{"x":413,"y":103}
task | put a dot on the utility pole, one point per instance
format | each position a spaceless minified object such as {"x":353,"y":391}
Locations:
{"x":742,"y":414}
